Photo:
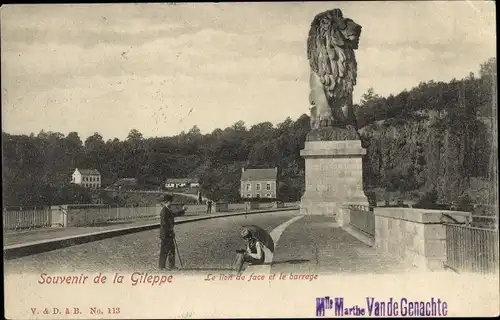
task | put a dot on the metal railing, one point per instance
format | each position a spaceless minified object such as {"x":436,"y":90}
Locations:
{"x":26,"y":218}
{"x":472,"y":247}
{"x":362,"y":218}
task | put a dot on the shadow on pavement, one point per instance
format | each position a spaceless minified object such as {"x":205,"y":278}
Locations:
{"x":120,"y":222}
{"x":293,"y":261}
{"x":106,"y":224}
{"x":203,"y":269}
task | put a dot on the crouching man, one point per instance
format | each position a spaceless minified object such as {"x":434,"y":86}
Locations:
{"x":253,"y":254}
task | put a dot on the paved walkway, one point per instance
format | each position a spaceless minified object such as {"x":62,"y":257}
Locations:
{"x":315,"y":244}
{"x":312,"y":244}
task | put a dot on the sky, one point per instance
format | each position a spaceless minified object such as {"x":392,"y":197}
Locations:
{"x":163,"y":68}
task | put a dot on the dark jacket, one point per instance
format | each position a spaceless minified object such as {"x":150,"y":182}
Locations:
{"x":167,"y":222}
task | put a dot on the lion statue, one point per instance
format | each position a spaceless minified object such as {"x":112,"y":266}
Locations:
{"x":330,"y":50}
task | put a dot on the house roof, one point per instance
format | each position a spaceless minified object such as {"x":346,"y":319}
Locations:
{"x":89,"y":172}
{"x":259,"y":174}
{"x":182,"y":180}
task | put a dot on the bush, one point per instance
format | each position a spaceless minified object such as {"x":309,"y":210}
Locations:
{"x":428,"y":201}
{"x":372,"y":198}
{"x":464,"y":203}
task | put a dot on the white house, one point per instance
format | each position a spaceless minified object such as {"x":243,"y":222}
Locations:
{"x":259,"y":183}
{"x":182,"y":183}
{"x":88,"y":178}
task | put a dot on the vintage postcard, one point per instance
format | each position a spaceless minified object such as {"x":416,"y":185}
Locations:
{"x":249,"y":160}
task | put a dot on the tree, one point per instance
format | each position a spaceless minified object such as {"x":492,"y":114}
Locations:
{"x":74,"y":139}
{"x":369,"y":96}
{"x":488,"y":68}
{"x":239,"y":126}
{"x":134,"y":134}
{"x":94,"y":141}
{"x":194,"y":131}
{"x":285,"y":125}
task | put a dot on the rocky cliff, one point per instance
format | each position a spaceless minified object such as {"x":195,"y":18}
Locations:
{"x":407,"y":158}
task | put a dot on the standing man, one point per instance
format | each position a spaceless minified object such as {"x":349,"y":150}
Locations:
{"x":209,"y":206}
{"x":167,"y":235}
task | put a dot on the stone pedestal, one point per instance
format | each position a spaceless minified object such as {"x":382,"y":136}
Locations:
{"x":333,"y":176}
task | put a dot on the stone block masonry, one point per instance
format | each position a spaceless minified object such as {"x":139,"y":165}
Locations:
{"x":416,"y":236}
{"x":333,"y":174}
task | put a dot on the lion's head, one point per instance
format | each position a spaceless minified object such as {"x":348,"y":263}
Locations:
{"x":332,"y":26}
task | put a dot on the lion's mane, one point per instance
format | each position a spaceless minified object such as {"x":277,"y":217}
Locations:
{"x":334,"y":63}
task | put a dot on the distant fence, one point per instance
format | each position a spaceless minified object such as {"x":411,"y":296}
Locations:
{"x":363,"y":219}
{"x":93,"y":214}
{"x":234,"y":207}
{"x":133,"y":191}
{"x":130,"y":213}
{"x":72,"y":215}
{"x":27,"y":218}
{"x":261,"y":205}
{"x":472,"y":248}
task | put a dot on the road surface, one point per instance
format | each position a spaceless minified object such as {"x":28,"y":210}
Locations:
{"x":203,"y":245}
{"x":311,"y":244}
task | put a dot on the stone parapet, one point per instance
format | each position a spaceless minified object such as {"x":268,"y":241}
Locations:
{"x":416,"y":236}
{"x":221,"y":207}
{"x":251,"y":205}
{"x":81,"y":215}
{"x":278,"y":204}
{"x":344,"y":217}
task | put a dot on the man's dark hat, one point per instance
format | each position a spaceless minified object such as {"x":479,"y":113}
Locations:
{"x":245,"y":233}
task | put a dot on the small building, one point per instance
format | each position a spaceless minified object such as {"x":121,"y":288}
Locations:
{"x":259,"y":183}
{"x":175,"y":183}
{"x":88,"y":178}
